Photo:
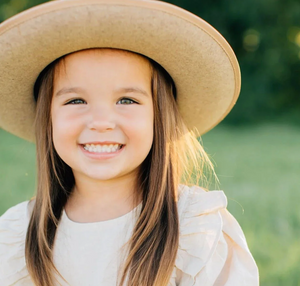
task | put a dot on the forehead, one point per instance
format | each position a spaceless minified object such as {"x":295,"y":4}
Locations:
{"x":103,"y":69}
{"x":105,"y":57}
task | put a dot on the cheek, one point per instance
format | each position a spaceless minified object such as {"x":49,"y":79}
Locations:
{"x":63,"y":129}
{"x":141,"y":128}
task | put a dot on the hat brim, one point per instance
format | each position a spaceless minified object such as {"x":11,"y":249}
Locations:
{"x":200,"y":61}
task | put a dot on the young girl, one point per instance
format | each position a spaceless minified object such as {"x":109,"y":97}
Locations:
{"x":117,"y":91}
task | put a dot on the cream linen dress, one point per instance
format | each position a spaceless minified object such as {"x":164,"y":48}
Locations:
{"x":212,"y":248}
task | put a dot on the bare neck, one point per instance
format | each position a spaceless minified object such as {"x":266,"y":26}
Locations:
{"x":93,"y":201}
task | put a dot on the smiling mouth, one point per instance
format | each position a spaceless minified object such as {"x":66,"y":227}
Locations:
{"x":97,"y":148}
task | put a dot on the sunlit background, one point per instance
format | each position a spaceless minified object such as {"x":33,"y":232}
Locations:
{"x":255,"y":150}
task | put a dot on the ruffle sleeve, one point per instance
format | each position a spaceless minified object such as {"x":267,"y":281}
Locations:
{"x":212,"y":246}
{"x":13,"y":226}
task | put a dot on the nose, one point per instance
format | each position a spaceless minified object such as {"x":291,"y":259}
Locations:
{"x":101,"y":119}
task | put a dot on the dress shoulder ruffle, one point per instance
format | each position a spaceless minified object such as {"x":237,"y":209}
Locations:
{"x":13,"y":227}
{"x":212,"y":247}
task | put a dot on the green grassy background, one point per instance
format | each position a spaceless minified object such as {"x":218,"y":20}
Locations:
{"x":259,"y":170}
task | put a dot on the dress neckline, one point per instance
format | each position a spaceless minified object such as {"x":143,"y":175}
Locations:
{"x":100,"y":224}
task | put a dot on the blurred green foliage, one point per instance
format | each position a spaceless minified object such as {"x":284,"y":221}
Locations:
{"x":265,"y":36}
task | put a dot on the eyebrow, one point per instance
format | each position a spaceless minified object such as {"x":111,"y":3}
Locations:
{"x":131,"y":89}
{"x":67,"y":90}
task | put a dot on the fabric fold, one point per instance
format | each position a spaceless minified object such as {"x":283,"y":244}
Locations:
{"x":212,"y":247}
{"x":200,"y":228}
{"x":13,"y":227}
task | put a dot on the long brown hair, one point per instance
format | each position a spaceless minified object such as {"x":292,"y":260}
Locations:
{"x":176,"y":157}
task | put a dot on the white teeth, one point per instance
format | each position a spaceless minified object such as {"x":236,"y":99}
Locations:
{"x":102,"y":148}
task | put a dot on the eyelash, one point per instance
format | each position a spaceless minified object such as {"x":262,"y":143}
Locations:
{"x":125,"y":98}
{"x":75,"y":101}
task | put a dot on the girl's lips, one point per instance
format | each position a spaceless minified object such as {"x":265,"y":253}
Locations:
{"x":101,"y":156}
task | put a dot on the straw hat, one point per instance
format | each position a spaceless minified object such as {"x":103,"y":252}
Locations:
{"x":200,"y":61}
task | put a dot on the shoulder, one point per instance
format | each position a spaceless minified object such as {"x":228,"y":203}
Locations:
{"x":13,"y":228}
{"x":196,"y":199}
{"x":14,"y":222}
{"x":212,"y":246}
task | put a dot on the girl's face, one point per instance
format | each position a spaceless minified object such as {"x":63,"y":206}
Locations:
{"x":102,"y":97}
